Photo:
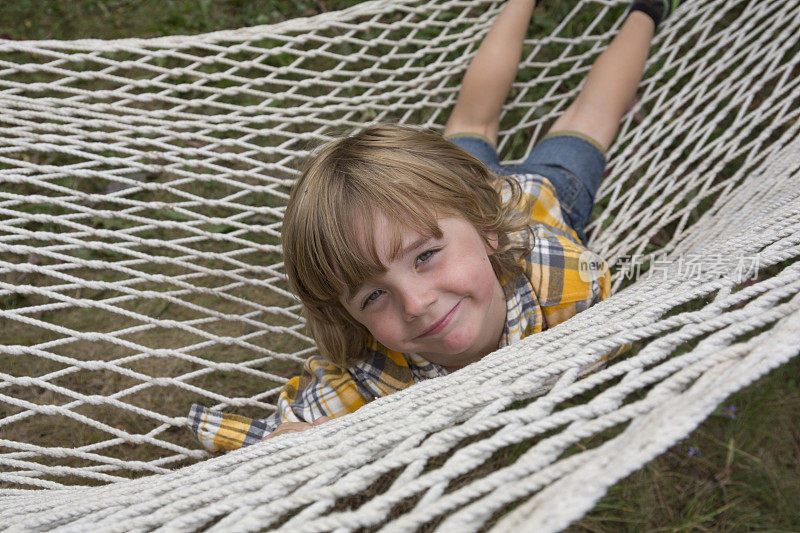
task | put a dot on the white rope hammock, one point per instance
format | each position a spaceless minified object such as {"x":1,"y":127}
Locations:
{"x":142,"y":185}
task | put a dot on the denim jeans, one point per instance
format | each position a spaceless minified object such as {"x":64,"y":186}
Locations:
{"x":573,"y":164}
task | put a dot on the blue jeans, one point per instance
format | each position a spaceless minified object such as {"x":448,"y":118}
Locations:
{"x":573,"y":165}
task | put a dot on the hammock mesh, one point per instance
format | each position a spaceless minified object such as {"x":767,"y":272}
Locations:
{"x":142,"y":186}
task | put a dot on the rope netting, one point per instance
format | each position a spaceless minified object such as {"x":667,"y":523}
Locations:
{"x":143,"y":185}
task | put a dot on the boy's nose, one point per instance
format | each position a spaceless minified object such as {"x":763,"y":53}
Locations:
{"x":416,"y":301}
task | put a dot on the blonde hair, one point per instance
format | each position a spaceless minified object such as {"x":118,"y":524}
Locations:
{"x":409,"y":176}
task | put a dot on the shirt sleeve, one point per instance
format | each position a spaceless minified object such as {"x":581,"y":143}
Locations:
{"x":567,"y":277}
{"x":540,"y":195}
{"x":220,"y":432}
{"x":321,"y":390}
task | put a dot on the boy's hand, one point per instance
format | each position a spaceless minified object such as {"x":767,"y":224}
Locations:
{"x":291,"y":427}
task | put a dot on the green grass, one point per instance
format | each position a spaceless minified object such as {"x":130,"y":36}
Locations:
{"x":114,"y":19}
{"x":738,"y":471}
{"x":746,"y":475}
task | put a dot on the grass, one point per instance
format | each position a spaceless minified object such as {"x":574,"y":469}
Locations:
{"x":737,"y":471}
{"x":114,"y":19}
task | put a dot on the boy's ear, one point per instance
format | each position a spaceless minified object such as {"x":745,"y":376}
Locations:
{"x":492,"y":240}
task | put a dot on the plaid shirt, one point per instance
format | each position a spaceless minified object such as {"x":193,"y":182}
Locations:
{"x":562,"y":278}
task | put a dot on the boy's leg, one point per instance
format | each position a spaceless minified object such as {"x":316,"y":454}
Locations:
{"x":611,"y":83}
{"x":572,"y":158}
{"x":490,"y":74}
{"x":615,"y":75}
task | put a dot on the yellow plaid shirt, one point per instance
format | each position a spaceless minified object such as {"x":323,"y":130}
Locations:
{"x":562,"y":279}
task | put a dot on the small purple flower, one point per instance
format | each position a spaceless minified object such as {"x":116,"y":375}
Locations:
{"x":729,"y":412}
{"x":693,"y":451}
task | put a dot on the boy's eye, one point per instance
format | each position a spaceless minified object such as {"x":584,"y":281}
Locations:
{"x":424,"y":256}
{"x":371,"y":298}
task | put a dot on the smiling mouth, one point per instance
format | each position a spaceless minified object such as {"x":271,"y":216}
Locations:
{"x":440,"y":325}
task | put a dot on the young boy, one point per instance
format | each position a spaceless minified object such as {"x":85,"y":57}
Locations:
{"x":412,"y":260}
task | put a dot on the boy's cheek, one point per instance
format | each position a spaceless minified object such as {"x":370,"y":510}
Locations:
{"x":382,"y":329}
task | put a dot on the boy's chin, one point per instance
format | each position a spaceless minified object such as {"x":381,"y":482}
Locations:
{"x":458,"y":358}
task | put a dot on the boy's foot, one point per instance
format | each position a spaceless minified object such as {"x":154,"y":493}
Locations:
{"x":658,"y":10}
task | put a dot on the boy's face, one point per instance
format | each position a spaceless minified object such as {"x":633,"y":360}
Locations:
{"x":439,"y":297}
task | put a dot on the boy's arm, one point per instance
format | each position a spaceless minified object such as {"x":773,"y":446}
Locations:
{"x":491,"y":73}
{"x":321,"y":392}
{"x":566,"y":277}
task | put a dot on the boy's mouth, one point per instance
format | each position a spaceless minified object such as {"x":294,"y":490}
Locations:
{"x":441,"y":324}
